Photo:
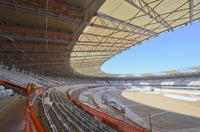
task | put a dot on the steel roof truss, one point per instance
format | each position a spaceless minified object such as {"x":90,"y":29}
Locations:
{"x":116,"y":29}
{"x":125,"y":24}
{"x":191,"y":10}
{"x":147,"y":10}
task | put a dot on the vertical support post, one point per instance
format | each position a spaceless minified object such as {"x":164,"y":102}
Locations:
{"x":150,"y":123}
{"x":191,"y":10}
{"x":46,"y":20}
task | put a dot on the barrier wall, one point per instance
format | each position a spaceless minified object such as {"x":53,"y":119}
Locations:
{"x":115,"y":123}
{"x":13,"y":85}
{"x":32,"y":123}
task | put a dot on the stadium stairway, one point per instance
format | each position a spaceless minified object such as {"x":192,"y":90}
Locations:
{"x":10,"y":121}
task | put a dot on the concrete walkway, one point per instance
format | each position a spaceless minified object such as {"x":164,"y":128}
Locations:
{"x":12,"y":115}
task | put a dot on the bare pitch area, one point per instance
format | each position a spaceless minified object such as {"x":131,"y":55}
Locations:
{"x":167,"y":114}
{"x":159,"y":101}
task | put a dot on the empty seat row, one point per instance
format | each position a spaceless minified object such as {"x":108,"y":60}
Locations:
{"x":67,"y":120}
{"x":46,"y":112}
{"x":72,"y":116}
{"x":81,"y":119}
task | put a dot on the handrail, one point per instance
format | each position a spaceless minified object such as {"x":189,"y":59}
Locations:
{"x":32,"y":123}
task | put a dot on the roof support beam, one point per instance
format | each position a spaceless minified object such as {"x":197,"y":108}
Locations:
{"x":78,"y":62}
{"x":113,"y":46}
{"x":36,"y":32}
{"x":74,"y":56}
{"x":191,"y":10}
{"x":99,"y":14}
{"x":24,"y":47}
{"x":85,"y":59}
{"x":46,"y":69}
{"x":90,"y":42}
{"x":39,"y":56}
{"x":117,"y":29}
{"x":45,"y":51}
{"x":109,"y":37}
{"x":30,"y":55}
{"x":15,"y":59}
{"x":38,"y":38}
{"x":33,"y":61}
{"x":95,"y":51}
{"x":38,"y":12}
{"x":88,"y":65}
{"x":40,"y":63}
{"x":32,"y":51}
{"x":38,"y":60}
{"x":147,"y":10}
{"x":40,"y":69}
{"x":38,"y":66}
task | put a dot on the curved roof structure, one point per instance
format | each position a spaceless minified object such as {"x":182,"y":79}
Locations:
{"x":74,"y":37}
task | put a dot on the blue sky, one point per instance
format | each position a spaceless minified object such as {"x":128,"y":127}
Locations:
{"x":171,"y":50}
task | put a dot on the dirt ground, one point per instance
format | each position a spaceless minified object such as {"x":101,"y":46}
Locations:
{"x":190,"y":108}
{"x":167,"y":114}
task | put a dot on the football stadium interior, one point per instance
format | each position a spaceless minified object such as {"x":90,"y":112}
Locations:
{"x":51,"y":53}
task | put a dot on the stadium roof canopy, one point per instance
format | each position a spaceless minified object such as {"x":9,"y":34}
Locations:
{"x":75,"y":37}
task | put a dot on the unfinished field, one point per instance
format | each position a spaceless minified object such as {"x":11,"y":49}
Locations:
{"x":167,"y":114}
